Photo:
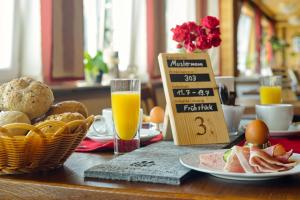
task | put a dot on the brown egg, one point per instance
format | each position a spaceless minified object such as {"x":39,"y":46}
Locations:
{"x":157,"y":115}
{"x":257,"y":132}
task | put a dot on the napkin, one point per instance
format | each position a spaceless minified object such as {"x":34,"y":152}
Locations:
{"x":292,"y":142}
{"x":88,"y":144}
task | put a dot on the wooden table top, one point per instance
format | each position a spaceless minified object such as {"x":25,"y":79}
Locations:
{"x":68,"y":183}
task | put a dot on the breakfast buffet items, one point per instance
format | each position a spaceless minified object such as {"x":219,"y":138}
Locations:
{"x":34,"y":133}
{"x":256,"y":156}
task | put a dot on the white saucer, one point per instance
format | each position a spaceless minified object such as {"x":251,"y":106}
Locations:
{"x":145,"y":134}
{"x":293,"y":130}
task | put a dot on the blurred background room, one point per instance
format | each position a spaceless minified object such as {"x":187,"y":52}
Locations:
{"x":77,"y":47}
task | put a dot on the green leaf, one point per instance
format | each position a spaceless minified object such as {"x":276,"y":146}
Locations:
{"x":96,"y":63}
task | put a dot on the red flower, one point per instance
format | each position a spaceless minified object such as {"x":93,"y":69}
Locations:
{"x":215,"y":39}
{"x":215,"y":31}
{"x":189,"y":46}
{"x":192,"y":36}
{"x":203,"y":42}
{"x":210,"y":22}
{"x":179,"y":46}
{"x":192,"y":26}
{"x":201,"y":31}
{"x":179,"y":34}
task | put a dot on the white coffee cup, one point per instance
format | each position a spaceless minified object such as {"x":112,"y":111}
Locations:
{"x":103,"y":124}
{"x":233,"y":115}
{"x":278,"y":117}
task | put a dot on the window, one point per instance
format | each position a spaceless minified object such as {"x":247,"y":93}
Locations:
{"x":121,"y":26}
{"x":114,"y":25}
{"x":245,"y":58}
{"x":7,"y":60}
{"x":187,"y":13}
{"x":254,"y":52}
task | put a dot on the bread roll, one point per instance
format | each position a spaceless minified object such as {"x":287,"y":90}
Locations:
{"x":26,"y":95}
{"x":8,"y":117}
{"x":65,"y":117}
{"x":68,"y":106}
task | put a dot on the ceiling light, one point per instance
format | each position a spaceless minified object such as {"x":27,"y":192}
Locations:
{"x":286,"y":8}
{"x":294,"y":20}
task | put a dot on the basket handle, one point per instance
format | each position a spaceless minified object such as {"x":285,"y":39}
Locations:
{"x":61,"y":126}
{"x":87,"y":122}
{"x":25,"y":126}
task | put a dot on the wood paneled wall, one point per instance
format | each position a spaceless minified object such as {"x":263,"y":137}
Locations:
{"x":228,"y":17}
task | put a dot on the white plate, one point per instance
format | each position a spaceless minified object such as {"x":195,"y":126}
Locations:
{"x":192,"y":161}
{"x":145,"y":134}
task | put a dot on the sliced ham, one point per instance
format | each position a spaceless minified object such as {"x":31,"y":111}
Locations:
{"x":249,"y":160}
{"x":238,"y":161}
{"x":213,"y":160}
{"x":283,"y":158}
{"x":264,"y":162}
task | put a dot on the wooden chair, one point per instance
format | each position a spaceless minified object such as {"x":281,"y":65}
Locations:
{"x":148,"y":98}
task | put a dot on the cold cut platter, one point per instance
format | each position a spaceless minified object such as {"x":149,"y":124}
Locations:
{"x":243,"y":163}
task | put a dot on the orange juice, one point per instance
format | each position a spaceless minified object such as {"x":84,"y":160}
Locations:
{"x":126,"y":111}
{"x":270,"y":94}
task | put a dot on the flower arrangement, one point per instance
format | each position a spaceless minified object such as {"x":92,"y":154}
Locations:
{"x":198,"y":37}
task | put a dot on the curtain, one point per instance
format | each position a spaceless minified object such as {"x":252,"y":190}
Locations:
{"x":202,"y":7}
{"x":258,"y":38}
{"x":271,"y":33}
{"x":62,"y":40}
{"x":26,"y":41}
{"x":129,"y":36}
{"x":156,"y":42}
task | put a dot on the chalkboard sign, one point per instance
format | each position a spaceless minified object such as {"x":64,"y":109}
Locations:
{"x":193,"y":102}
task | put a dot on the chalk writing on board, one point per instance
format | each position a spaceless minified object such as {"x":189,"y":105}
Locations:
{"x":193,"y":92}
{"x":186,"y":63}
{"x":196,"y":107}
{"x":189,"y":77}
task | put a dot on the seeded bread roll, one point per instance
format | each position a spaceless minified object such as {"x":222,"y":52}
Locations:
{"x":65,"y":117}
{"x":8,"y":117}
{"x":26,"y":95}
{"x":68,"y":106}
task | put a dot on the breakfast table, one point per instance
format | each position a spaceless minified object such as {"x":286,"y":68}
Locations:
{"x":68,"y":182}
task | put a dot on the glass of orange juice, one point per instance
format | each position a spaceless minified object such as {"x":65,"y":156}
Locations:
{"x":126,"y":103}
{"x":270,"y":90}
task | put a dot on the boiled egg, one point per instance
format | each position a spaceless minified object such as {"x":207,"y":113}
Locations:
{"x":157,"y":115}
{"x":257,"y":132}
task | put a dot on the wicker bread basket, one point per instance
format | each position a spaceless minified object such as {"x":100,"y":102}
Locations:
{"x":40,"y":150}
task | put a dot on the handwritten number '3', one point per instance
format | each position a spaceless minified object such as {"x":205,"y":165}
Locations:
{"x":201,"y":125}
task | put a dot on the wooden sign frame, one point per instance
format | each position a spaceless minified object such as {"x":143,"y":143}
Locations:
{"x":192,"y":97}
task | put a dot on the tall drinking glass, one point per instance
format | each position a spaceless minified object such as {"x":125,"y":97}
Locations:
{"x":270,"y":90}
{"x":126,"y":103}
